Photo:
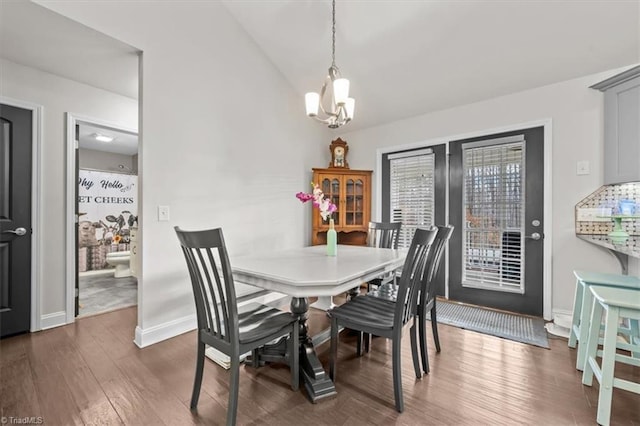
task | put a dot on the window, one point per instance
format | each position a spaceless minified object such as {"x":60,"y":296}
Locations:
{"x":411,"y":191}
{"x":493,"y":203}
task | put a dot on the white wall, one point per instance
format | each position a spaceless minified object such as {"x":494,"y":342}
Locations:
{"x":224,"y":142}
{"x":577,"y":115}
{"x":57,"y":96}
{"x":107,"y":161}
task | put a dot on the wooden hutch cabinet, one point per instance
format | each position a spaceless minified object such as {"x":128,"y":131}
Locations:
{"x":350,"y":191}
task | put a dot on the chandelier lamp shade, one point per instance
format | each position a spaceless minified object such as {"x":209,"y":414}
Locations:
{"x":339,"y":110}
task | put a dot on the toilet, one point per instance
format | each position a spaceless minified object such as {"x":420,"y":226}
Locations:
{"x":120,"y":259}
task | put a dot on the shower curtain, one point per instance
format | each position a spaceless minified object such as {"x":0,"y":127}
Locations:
{"x":108,"y":208}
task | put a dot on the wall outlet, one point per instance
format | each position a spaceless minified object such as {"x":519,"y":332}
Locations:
{"x":593,"y":214}
{"x":163,"y":213}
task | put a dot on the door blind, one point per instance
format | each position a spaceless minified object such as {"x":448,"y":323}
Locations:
{"x":411,"y":192}
{"x":493,"y":202}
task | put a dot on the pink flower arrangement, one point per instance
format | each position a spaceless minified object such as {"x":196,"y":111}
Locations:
{"x":323,"y":204}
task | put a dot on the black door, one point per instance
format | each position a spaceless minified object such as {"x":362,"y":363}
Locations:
{"x":496,"y":206}
{"x":15,"y":220}
{"x":414,"y":193}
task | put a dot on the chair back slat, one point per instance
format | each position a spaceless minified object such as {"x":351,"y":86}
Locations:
{"x":207,"y":267}
{"x":212,"y":282}
{"x":383,"y":234}
{"x":198,"y":295}
{"x":221,"y":305}
{"x":439,"y":244}
{"x":414,"y":273}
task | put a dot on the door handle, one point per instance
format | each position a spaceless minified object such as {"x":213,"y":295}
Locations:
{"x":535,"y":236}
{"x":18,"y":231}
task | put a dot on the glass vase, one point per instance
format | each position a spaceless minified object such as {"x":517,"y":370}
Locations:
{"x":332,"y":240}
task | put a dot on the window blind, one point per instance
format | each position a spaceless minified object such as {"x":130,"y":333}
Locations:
{"x":411,"y":187}
{"x":493,"y":203}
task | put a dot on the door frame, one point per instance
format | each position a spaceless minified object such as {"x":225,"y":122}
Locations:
{"x":71,"y":189}
{"x":547,"y":125}
{"x":36,"y":196}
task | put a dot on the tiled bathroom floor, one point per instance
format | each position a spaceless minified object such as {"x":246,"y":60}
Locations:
{"x":106,"y":293}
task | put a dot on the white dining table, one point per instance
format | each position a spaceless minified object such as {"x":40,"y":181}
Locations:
{"x":308,"y":271}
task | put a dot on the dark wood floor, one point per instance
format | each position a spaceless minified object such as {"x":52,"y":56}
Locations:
{"x":91,"y":373}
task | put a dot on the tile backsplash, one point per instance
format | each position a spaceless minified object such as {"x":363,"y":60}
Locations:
{"x":606,"y":201}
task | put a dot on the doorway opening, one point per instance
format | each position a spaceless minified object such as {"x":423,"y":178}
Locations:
{"x":106,"y":198}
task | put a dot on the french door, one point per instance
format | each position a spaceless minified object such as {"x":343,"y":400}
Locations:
{"x":496,"y":201}
{"x":414,"y":193}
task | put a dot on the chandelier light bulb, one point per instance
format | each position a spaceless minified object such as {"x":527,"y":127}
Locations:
{"x":312,"y":101}
{"x":350,"y":107}
{"x":340,"y":90}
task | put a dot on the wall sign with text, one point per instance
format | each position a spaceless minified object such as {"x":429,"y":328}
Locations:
{"x":108,"y":207}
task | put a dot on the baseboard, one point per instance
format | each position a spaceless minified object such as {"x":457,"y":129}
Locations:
{"x":221,"y":359}
{"x":55,"y":319}
{"x":164,"y":331}
{"x":561,"y":325}
{"x":562,"y":317}
{"x":167,"y":330}
{"x":97,"y":273}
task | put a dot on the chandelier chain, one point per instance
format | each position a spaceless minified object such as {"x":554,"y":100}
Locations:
{"x":333,"y":40}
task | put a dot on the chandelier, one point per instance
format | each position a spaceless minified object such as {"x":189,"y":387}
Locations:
{"x":340,"y":110}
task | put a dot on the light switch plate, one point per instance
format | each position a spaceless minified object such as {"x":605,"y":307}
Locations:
{"x":582,"y":168}
{"x":163,"y":213}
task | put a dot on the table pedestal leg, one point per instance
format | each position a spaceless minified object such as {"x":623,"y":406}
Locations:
{"x":323,"y":303}
{"x":316,"y":380}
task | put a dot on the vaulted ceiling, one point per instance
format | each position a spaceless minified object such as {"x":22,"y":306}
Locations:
{"x":403,"y":57}
{"x":409,"y":57}
{"x":37,"y":37}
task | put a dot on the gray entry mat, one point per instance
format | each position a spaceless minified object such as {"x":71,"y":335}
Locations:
{"x":501,"y":324}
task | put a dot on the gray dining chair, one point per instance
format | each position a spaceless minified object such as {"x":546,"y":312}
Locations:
{"x":427,"y":299}
{"x":378,"y":317}
{"x":221,"y":324}
{"x":383,"y":235}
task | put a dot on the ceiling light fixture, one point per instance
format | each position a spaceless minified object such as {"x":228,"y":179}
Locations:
{"x":102,"y":138}
{"x":340,"y":111}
